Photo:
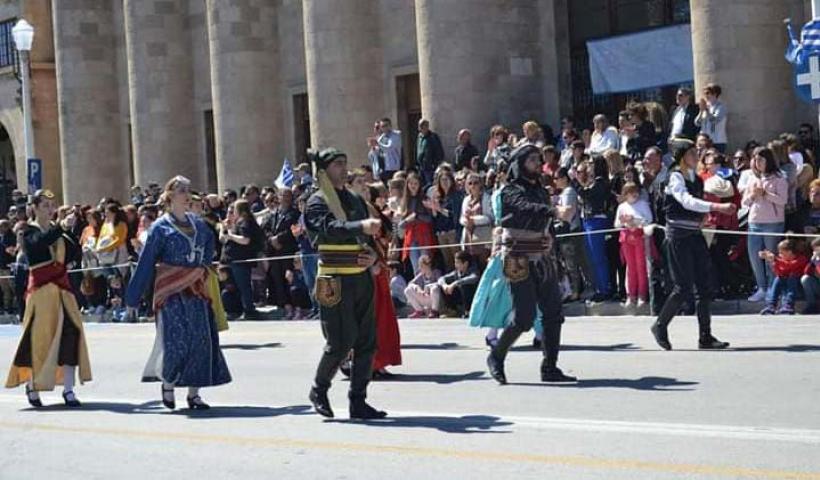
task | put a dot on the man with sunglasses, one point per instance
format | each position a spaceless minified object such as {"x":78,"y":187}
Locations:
{"x":683,"y":117}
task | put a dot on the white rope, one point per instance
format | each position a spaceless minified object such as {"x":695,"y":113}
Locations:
{"x":647,"y":228}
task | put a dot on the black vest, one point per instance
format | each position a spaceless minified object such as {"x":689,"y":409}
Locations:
{"x":676,"y":215}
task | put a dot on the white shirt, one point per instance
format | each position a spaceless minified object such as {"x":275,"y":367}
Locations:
{"x":677,"y":122}
{"x":712,"y":122}
{"x":797,"y":159}
{"x":677,"y":188}
{"x":639,"y":211}
{"x":600,"y":142}
{"x":390,"y":145}
{"x":746,"y":176}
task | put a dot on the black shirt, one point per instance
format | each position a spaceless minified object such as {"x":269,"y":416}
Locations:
{"x":233,"y":251}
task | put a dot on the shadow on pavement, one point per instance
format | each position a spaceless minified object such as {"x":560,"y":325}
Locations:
{"x":660,"y":384}
{"x":251,"y":346}
{"x":441,"y":378}
{"x":438,"y":346}
{"x":465,"y":424}
{"x":618,"y":347}
{"x":156,"y":408}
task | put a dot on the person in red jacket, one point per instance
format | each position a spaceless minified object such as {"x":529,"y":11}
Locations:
{"x":788,"y":266}
{"x":811,"y":279}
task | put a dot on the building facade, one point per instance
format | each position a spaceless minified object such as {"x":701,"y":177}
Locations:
{"x":136,"y":91}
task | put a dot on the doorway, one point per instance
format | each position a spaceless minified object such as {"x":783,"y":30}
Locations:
{"x":408,"y":98}
{"x":8,"y":169}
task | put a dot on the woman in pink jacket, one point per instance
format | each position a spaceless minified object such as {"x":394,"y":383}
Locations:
{"x":766,"y":196}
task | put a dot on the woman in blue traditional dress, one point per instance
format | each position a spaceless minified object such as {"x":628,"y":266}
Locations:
{"x":492,"y":304}
{"x":177,"y":253}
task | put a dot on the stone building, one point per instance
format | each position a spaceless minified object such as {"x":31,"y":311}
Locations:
{"x":134,"y":91}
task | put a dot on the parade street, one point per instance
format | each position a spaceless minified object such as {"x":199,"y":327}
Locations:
{"x":638,"y":412}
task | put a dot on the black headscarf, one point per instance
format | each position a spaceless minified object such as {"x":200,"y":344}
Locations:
{"x":517,"y":159}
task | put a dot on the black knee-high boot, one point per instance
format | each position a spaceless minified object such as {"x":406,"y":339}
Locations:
{"x":506,"y":341}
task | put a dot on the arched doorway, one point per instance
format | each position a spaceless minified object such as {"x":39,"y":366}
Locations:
{"x":8,"y":171}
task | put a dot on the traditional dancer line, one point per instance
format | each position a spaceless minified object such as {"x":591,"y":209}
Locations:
{"x":339,"y":224}
{"x":186,"y":350}
{"x":53,"y":342}
{"x":530,"y":265}
{"x":686,"y":247}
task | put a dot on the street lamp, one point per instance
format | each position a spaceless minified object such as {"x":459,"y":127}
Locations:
{"x":23,"y":34}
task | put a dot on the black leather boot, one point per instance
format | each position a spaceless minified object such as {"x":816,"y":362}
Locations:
{"x":361,"y":410}
{"x":320,"y":402}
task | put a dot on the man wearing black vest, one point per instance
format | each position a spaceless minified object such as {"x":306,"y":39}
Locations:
{"x":688,"y":255}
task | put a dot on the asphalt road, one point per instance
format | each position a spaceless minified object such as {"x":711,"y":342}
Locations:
{"x":638,"y":412}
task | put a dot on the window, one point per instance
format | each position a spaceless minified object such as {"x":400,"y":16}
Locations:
{"x":8,"y":52}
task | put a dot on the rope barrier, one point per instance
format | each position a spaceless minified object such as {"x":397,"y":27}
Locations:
{"x":470,"y":244}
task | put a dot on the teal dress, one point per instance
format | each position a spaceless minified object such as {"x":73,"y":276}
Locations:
{"x":492,"y":305}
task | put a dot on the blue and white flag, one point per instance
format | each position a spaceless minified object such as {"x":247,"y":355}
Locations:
{"x":285,"y":178}
{"x":798,"y":51}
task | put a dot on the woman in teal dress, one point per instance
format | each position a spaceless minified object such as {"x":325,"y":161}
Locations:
{"x":492,"y":304}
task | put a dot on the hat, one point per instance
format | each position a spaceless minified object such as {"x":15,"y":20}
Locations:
{"x":324,"y":158}
{"x":679,"y":147}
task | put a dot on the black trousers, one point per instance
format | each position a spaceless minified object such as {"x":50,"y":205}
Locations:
{"x":461,"y":299}
{"x":278,"y":289}
{"x":69,"y":353}
{"x":348,"y":322}
{"x":539,"y":288}
{"x":690,"y":267}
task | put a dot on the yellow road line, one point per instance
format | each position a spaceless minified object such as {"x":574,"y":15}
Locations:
{"x":558,"y":460}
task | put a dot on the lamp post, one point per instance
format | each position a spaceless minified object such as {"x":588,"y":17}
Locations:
{"x":23,"y":34}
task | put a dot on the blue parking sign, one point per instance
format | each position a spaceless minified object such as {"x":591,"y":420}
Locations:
{"x":35,"y":174}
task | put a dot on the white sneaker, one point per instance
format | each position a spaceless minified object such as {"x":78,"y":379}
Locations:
{"x":758,"y":296}
{"x":630,"y":302}
{"x":641,"y":302}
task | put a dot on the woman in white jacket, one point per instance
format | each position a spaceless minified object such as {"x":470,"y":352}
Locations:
{"x":477,"y":219}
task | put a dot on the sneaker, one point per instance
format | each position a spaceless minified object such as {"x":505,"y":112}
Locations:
{"x":758,"y":296}
{"x":417,"y":314}
{"x":641,"y":302}
{"x":630,"y":302}
{"x":598,"y":298}
{"x":433,"y":314}
{"x":769,"y":310}
{"x":786,"y":310}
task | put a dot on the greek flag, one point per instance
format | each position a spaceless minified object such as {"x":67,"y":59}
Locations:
{"x":798,"y":51}
{"x":285,"y":178}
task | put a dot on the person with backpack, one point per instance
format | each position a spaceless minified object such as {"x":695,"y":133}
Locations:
{"x":243,"y":240}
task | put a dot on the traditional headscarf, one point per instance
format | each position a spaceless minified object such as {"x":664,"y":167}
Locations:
{"x":517,"y":159}
{"x":321,"y":160}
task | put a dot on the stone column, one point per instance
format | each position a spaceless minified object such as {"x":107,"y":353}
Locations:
{"x":160,"y":77}
{"x":344,"y":61}
{"x":481,"y":66}
{"x":246,"y":91}
{"x":92,"y":163}
{"x":739,"y":46}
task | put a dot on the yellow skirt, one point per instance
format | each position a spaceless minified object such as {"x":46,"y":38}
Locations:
{"x":47,"y":310}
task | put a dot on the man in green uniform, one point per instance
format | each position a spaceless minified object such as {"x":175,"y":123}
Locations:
{"x":340,"y":226}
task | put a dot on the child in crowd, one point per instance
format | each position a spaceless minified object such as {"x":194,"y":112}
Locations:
{"x":397,"y":284}
{"x":115,"y":295}
{"x":632,"y":214}
{"x":788,"y":265}
{"x":811,"y":279}
{"x":298,"y":290}
{"x":231,"y":299}
{"x":421,"y":292}
{"x":457,"y":288}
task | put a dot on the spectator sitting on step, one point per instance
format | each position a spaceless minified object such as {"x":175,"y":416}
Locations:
{"x":397,"y":284}
{"x":421,"y":291}
{"x":457,"y":288}
{"x":811,"y":279}
{"x":788,"y":266}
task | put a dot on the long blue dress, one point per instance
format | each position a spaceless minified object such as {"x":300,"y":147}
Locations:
{"x":186,"y":350}
{"x":492,"y":304}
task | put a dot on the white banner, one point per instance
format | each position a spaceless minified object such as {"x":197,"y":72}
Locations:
{"x":635,"y":61}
